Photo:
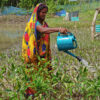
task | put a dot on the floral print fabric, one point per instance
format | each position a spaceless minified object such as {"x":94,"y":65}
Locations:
{"x":33,"y":46}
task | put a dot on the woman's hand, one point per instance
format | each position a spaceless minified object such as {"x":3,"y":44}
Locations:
{"x":63,"y":30}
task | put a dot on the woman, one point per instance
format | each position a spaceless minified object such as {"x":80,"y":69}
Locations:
{"x":36,"y":39}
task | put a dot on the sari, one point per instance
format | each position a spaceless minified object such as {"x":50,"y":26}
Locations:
{"x":32,"y":46}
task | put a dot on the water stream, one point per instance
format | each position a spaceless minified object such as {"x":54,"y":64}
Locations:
{"x":84,"y":62}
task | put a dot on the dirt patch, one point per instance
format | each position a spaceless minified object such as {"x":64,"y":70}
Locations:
{"x":13,"y":22}
{"x":14,"y":19}
{"x":11,"y":25}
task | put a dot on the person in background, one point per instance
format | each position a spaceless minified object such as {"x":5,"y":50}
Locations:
{"x":36,"y":39}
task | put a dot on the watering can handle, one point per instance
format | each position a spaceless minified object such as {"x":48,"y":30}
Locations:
{"x":69,"y":33}
{"x":59,"y":33}
{"x":75,"y":46}
{"x":73,"y":40}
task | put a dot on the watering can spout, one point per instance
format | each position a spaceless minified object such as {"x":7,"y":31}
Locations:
{"x":77,"y":57}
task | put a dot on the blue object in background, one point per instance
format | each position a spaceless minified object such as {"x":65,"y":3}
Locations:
{"x":74,"y":18}
{"x":14,"y":10}
{"x":97,"y":28}
{"x":73,"y":14}
{"x":61,"y":13}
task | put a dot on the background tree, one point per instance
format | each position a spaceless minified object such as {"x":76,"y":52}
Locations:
{"x":29,"y":3}
{"x":2,"y":3}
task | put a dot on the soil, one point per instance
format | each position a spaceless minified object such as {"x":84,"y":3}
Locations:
{"x":12,"y":24}
{"x":14,"y":19}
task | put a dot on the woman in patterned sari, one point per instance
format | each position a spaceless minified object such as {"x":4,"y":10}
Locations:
{"x":36,"y":39}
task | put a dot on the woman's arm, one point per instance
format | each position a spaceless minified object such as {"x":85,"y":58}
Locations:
{"x":47,"y":30}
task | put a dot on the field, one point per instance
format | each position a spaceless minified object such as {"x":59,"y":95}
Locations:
{"x":69,"y":79}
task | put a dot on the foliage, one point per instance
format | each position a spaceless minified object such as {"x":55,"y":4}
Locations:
{"x":28,"y":3}
{"x":52,"y":5}
{"x":65,"y":2}
{"x":2,"y":3}
{"x":60,"y":83}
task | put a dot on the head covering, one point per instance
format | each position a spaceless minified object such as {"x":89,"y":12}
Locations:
{"x":29,"y":42}
{"x":41,"y":6}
